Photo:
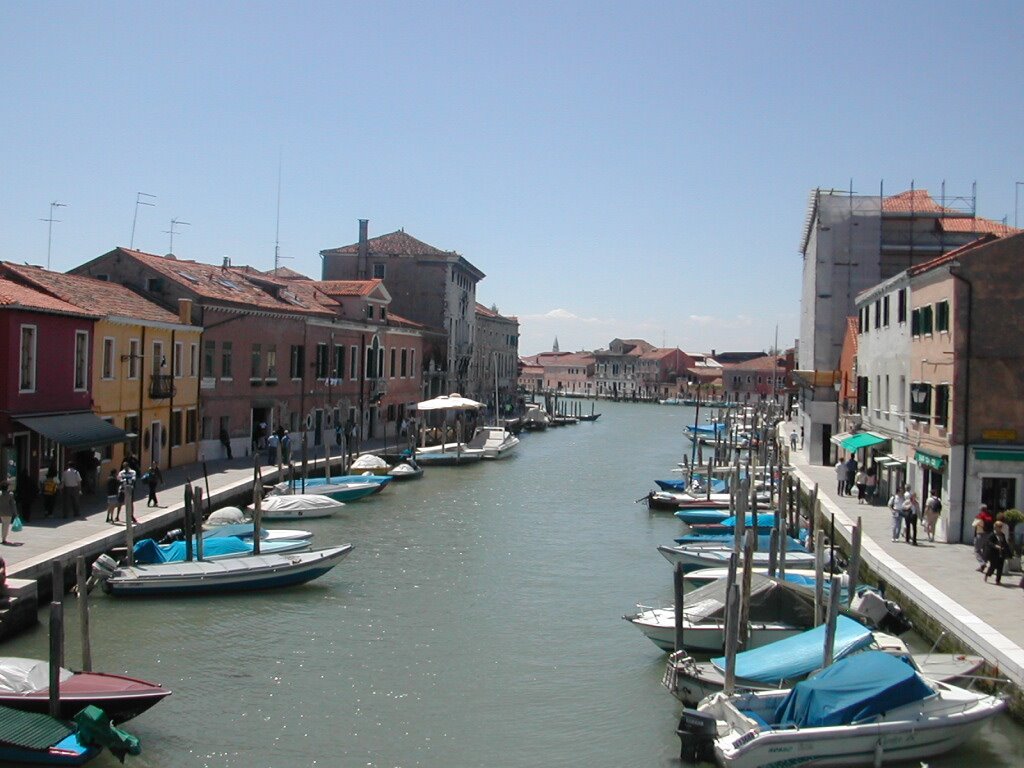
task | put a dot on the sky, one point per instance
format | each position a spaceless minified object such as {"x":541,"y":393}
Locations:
{"x":630,"y":170}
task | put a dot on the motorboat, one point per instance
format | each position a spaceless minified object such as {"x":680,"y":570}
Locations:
{"x":39,"y":739}
{"x":381,"y":481}
{"x":496,"y":442}
{"x":233,"y":574}
{"x":870,"y":708}
{"x":231,"y":521}
{"x":692,"y":557}
{"x":369,"y":462}
{"x":764,"y":522}
{"x":785,"y":662}
{"x":448,"y":454}
{"x":299,"y":506}
{"x":25,"y":685}
{"x":701,"y":516}
{"x":149,"y":552}
{"x":535,"y":419}
{"x":406,"y":470}
{"x":702,"y":576}
{"x":342,"y":492}
{"x":673,"y":500}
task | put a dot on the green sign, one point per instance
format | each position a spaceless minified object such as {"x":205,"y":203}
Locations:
{"x":927,"y":460}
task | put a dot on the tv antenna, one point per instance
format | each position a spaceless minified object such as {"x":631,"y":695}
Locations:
{"x":175,"y":222}
{"x":277,"y":226}
{"x":49,"y":229}
{"x":139,"y":201}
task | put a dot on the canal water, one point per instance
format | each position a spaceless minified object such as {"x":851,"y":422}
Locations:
{"x":477,"y":623}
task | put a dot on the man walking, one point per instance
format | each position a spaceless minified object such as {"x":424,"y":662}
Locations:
{"x":851,"y":474}
{"x":71,"y":487}
{"x":840,"y":477}
{"x":896,"y":508}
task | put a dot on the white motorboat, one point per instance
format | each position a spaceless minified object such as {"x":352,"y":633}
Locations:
{"x":406,"y":470}
{"x":448,"y":454}
{"x":495,"y":442}
{"x":868,"y":709}
{"x":231,"y":521}
{"x":704,"y":576}
{"x":536,"y":418}
{"x":711,"y":557}
{"x":305,"y":506}
{"x":369,"y":462}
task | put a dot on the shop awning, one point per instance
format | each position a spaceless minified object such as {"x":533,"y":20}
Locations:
{"x":837,"y":439}
{"x":862,"y":440}
{"x":76,"y":430}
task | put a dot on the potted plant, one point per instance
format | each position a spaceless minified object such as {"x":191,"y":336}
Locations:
{"x":1012,"y":517}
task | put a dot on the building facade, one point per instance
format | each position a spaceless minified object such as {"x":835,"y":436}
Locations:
{"x":496,"y":357}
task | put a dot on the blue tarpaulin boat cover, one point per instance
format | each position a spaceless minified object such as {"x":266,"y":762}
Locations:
{"x":764,"y":520}
{"x":798,"y":656}
{"x":148,"y":552}
{"x":855,"y":688}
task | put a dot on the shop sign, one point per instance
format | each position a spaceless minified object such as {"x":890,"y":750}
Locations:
{"x":927,"y":460}
{"x":999,"y":435}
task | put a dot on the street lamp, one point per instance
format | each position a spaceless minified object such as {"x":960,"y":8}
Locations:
{"x":49,"y":229}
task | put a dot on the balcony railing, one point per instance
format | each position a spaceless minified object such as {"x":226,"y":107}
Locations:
{"x":161,"y":386}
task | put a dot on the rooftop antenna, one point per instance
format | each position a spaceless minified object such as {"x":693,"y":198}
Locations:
{"x":174,"y":223}
{"x":277,"y":226}
{"x":139,"y":201}
{"x":49,"y":229}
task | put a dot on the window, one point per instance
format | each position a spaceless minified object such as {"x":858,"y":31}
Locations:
{"x":878,"y":314}
{"x":862,"y":392}
{"x":915,"y":323}
{"x":190,"y":425}
{"x":322,"y":364}
{"x":131,"y":426}
{"x":354,"y":358}
{"x":369,"y":311}
{"x":296,"y":362}
{"x":272,"y":361}
{"x":920,"y":401}
{"x":193,"y":360}
{"x":134,"y":358}
{"x":27,"y":378}
{"x":226,"y":349}
{"x":926,"y":320}
{"x":339,"y":361}
{"x":257,"y":361}
{"x":901,"y":305}
{"x":942,"y":316}
{"x":107,"y":451}
{"x":179,"y":359}
{"x":885,"y":311}
{"x":158,"y":357}
{"x":383,"y":313}
{"x":878,"y":396}
{"x":393,"y":355}
{"x":888,"y":397}
{"x":942,"y":405}
{"x":154,"y":284}
{"x":108,"y":358}
{"x":175,"y":428}
{"x":207,"y":428}
{"x":209,"y":355}
{"x":412,"y":362}
{"x":379,"y":271}
{"x":81,"y":360}
{"x":405,"y":361}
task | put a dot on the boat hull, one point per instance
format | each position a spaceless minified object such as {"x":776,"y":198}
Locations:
{"x":694,"y":559}
{"x":705,"y":637}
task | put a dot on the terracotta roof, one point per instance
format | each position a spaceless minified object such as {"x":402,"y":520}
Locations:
{"x":945,"y":258}
{"x":852,"y":332}
{"x":88,"y":293}
{"x":764,"y":361}
{"x":348,"y":287}
{"x":913,"y":200}
{"x":395,"y":244}
{"x":239,"y":285}
{"x":14,"y":294}
{"x":977,"y":226}
{"x":284,"y":273}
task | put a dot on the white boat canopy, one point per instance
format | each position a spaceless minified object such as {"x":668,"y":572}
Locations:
{"x":452,"y":402}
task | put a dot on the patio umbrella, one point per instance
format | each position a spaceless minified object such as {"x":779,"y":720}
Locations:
{"x":452,"y":402}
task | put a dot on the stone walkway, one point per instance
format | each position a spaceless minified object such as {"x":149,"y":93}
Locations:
{"x":941,"y":578}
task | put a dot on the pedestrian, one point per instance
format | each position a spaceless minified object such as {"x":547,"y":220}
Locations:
{"x":25,"y":493}
{"x":115,"y":497}
{"x":851,"y":475}
{"x":982,"y":524}
{"x":896,"y":509}
{"x":793,"y":438}
{"x":71,"y":487}
{"x":272,"y":442}
{"x":911,"y":512}
{"x":861,"y":481}
{"x":225,"y":440}
{"x":997,"y":550}
{"x":8,"y":511}
{"x":403,"y":428}
{"x":932,"y":510}
{"x":872,"y":488}
{"x":127,"y":477}
{"x":840,"y":477}
{"x":51,"y":486}
{"x":152,"y":479}
{"x":286,"y":446}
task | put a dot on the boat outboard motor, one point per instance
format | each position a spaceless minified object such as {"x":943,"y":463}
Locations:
{"x":697,"y":733}
{"x":175,"y":534}
{"x":882,"y":613}
{"x":104,"y":567}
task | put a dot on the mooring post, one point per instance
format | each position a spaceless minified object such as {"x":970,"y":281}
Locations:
{"x":197,"y":494}
{"x":677,"y":585}
{"x":81,"y":577}
{"x":854,"y":567}
{"x":833,"y":616}
{"x":56,"y":654}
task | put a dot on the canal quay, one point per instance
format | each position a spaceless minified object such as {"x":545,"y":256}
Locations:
{"x":476,"y":623}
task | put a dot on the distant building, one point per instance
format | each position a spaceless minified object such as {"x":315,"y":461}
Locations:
{"x":434,"y":288}
{"x":496,"y":355}
{"x":760,"y":379}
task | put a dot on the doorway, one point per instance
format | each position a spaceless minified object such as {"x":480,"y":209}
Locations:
{"x":999,"y":493}
{"x":156,"y":432}
{"x":260,"y":427}
{"x":826,"y":445}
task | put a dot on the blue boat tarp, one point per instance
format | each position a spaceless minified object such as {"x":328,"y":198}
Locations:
{"x":678,"y":484}
{"x":764,"y":541}
{"x":764,"y":520}
{"x":695,"y":515}
{"x":148,"y":552}
{"x":855,"y":688}
{"x":797,"y":656}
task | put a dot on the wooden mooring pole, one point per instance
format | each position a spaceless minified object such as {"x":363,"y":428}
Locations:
{"x":81,"y":576}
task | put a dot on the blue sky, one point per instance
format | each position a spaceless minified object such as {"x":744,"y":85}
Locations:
{"x":630,"y":170}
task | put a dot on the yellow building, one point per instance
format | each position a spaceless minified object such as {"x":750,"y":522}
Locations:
{"x":145,"y":368}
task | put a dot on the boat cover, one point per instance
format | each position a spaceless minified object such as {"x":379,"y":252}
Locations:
{"x":148,"y":552}
{"x":855,"y":688}
{"x":19,"y":675}
{"x":764,"y":520}
{"x":298,"y":502}
{"x":770,"y":601}
{"x":225,"y":516}
{"x":764,"y":541}
{"x":678,"y":484}
{"x":799,"y":655}
{"x":369,"y":461}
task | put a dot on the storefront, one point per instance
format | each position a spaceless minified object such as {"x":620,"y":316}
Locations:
{"x":931,"y":474}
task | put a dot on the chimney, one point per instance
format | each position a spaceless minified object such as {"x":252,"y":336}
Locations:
{"x":185,"y":311}
{"x":362,"y":267}
{"x":227,"y":262}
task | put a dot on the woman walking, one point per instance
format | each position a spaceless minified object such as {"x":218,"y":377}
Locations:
{"x":998,"y":550}
{"x":8,"y":510}
{"x":114,"y":496}
{"x":911,"y":512}
{"x":152,"y":478}
{"x":861,"y":481}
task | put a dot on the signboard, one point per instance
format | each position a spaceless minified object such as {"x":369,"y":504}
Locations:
{"x":927,"y":460}
{"x":999,"y":435}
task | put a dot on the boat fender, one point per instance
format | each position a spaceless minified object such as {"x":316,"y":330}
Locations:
{"x":697,"y":732}
{"x":104,"y":567}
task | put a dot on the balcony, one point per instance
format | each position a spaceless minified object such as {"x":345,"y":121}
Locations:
{"x":161,"y":386}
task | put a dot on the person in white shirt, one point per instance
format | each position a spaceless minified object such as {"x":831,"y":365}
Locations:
{"x":71,"y":488}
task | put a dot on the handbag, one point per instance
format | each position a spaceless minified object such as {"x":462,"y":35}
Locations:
{"x":17,"y":525}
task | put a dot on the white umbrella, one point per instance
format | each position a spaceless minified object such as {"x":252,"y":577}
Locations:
{"x":452,"y":402}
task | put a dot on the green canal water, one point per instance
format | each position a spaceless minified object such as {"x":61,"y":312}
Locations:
{"x":477,"y":623}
